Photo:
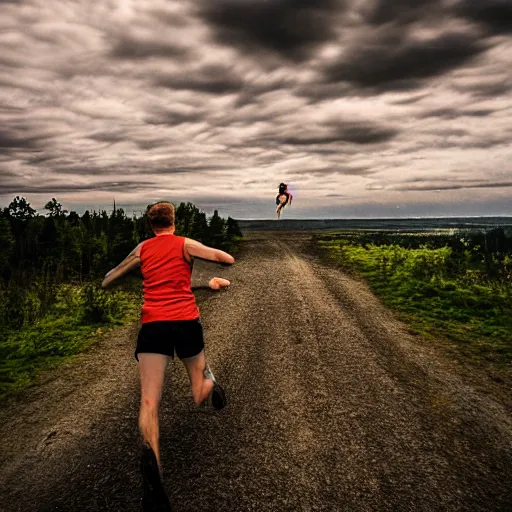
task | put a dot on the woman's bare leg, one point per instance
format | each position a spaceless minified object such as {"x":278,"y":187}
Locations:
{"x":282,"y":199}
{"x":201,"y":387}
{"x":152,"y":371}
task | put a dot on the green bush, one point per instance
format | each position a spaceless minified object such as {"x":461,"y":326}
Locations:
{"x":100,"y":306}
{"x":68,"y":298}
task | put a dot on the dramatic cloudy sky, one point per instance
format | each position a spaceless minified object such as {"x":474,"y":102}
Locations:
{"x":366,"y":107}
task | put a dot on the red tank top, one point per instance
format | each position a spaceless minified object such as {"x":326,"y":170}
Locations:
{"x":166,"y":280}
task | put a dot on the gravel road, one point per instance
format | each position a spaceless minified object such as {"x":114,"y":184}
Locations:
{"x":333,"y":406}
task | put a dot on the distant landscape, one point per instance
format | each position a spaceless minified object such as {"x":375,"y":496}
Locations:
{"x":413,"y":224}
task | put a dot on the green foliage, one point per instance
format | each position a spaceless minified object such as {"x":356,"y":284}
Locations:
{"x":444,"y":285}
{"x":184,"y":214}
{"x":217,"y":231}
{"x":20,"y":209}
{"x":54,"y":208}
{"x":232,"y":229}
{"x":6,"y":243}
{"x":100,"y":306}
{"x":199,"y":228}
{"x":76,"y":317}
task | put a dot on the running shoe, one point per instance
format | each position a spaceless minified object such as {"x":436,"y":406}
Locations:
{"x":154,"y":498}
{"x":218,"y":396}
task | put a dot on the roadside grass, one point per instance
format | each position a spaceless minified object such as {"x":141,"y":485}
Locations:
{"x":469,"y":314}
{"x":78,"y":319}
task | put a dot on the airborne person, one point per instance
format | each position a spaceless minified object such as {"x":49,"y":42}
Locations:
{"x":170,"y":322}
{"x":283,"y":198}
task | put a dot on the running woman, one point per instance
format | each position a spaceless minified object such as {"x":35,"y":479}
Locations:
{"x":170,"y":322}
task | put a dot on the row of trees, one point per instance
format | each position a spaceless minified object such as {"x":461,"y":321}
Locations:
{"x":40,"y":252}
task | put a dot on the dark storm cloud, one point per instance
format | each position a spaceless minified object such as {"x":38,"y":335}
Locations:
{"x":10,"y":140}
{"x":108,"y":136}
{"x":243,"y":119}
{"x":39,"y":159}
{"x":461,"y":139}
{"x":350,"y":132}
{"x":265,"y":83}
{"x":212,"y":79}
{"x":411,"y":99}
{"x":134,"y":169}
{"x":174,"y":118}
{"x":334,"y":169}
{"x":385,"y":11}
{"x":123,"y":186}
{"x":494,"y":14}
{"x":429,"y":186}
{"x":176,"y":169}
{"x":154,"y":143}
{"x":487,"y":143}
{"x":454,"y":113}
{"x":290,"y":28}
{"x":485,"y":89}
{"x":89,"y":170}
{"x":394,"y":62}
{"x":321,"y":90}
{"x":128,"y":47}
{"x":448,"y":132}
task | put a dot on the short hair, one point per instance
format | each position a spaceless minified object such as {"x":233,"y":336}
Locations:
{"x":161,"y":215}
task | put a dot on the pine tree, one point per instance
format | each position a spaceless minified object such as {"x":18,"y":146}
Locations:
{"x":217,"y":230}
{"x":199,"y":228}
{"x":183,"y":217}
{"x":20,"y":209}
{"x":232,"y":229}
{"x":54,"y":208}
{"x":6,"y":244}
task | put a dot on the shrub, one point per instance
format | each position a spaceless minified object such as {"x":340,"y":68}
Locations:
{"x":100,"y":306}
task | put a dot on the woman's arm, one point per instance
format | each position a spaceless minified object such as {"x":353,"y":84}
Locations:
{"x":129,"y":263}
{"x":195,"y":249}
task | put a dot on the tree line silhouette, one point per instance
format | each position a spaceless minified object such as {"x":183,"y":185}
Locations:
{"x":40,"y":252}
{"x":488,"y":251}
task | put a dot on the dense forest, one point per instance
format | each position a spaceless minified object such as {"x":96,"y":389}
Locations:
{"x":38,"y":253}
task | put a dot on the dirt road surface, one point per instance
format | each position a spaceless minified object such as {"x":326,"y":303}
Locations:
{"x":333,"y":406}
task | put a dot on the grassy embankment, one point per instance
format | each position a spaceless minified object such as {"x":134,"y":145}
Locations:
{"x":77,"y":319}
{"x":450,"y":293}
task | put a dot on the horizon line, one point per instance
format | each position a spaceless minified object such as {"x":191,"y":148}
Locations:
{"x":379,"y":218}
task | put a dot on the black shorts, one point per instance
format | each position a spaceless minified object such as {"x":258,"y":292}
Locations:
{"x":184,"y":336}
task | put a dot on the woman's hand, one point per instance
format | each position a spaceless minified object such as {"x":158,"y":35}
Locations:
{"x":216,"y":283}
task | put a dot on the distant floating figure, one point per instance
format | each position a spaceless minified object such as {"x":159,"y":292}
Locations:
{"x":283,"y":198}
